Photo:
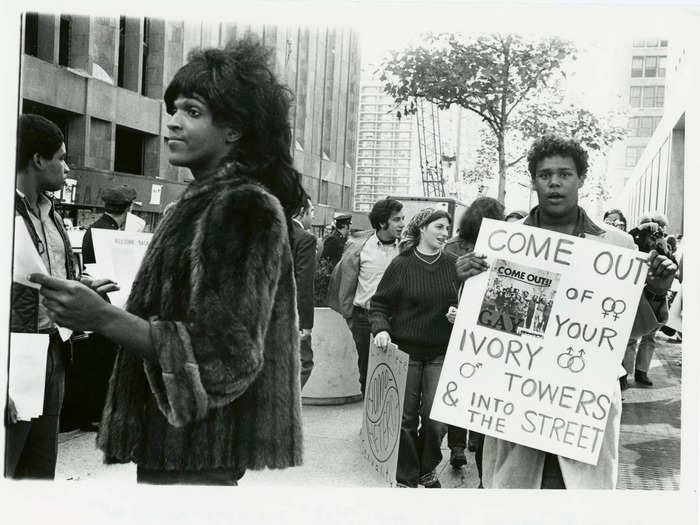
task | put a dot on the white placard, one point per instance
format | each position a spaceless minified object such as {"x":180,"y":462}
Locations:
{"x":118,"y":255}
{"x":539,"y":337}
{"x":156,"y":191}
{"x":383,"y":409}
{"x":27,"y":374}
{"x":26,"y":258}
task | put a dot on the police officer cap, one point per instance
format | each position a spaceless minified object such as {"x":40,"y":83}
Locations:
{"x":337,"y":216}
{"x":121,"y":196}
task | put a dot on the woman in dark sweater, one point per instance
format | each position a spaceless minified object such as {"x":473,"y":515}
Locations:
{"x":409,"y":309}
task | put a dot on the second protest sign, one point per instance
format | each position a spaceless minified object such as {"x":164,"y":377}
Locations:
{"x":539,"y":338}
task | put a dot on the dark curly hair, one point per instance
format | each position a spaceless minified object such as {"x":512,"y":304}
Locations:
{"x":470,"y":223}
{"x":382,"y":210}
{"x":241,"y":90}
{"x":553,"y":145}
{"x":36,"y":134}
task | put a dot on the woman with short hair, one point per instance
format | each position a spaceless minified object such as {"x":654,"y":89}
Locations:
{"x":409,"y":309}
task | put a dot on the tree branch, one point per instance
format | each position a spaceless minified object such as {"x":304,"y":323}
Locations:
{"x":511,"y":164}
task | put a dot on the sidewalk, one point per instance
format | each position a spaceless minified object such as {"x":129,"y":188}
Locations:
{"x":649,"y":448}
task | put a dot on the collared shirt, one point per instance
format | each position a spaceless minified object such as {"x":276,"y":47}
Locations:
{"x":299,"y":223}
{"x":52,"y":249}
{"x":374,"y":259}
{"x":584,"y":225}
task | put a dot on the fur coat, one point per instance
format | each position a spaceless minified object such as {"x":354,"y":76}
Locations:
{"x":217,"y":287}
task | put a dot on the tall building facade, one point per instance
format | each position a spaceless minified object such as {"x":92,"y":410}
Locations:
{"x":656,"y":183}
{"x":384,"y":159}
{"x":102,"y":81}
{"x":644,"y":95}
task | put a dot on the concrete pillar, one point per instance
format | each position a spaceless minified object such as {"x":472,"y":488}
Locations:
{"x":48,"y":38}
{"x":105,"y":46}
{"x":80,"y":41}
{"x":101,"y":144}
{"x":674,"y":203}
{"x":78,"y":140}
{"x":133,"y":54}
{"x":156,"y":60}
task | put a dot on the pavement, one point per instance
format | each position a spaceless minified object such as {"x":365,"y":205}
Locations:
{"x":649,"y":443}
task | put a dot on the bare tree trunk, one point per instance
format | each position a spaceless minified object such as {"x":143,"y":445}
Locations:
{"x":501,"y":170}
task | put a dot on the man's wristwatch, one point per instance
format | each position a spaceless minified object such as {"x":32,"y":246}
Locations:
{"x":653,"y":297}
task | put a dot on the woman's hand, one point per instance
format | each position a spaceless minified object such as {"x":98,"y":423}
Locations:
{"x":451,"y":314}
{"x":71,"y":304}
{"x":471,"y":264}
{"x":382,"y":340}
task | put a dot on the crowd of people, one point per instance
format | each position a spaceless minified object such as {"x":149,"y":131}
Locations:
{"x":208,"y":358}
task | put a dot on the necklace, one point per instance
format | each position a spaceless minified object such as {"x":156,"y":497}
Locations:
{"x":415,"y":252}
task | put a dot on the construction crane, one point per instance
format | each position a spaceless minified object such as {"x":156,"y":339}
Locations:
{"x":430,"y":149}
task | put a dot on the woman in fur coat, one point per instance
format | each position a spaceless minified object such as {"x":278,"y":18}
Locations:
{"x":206,"y":382}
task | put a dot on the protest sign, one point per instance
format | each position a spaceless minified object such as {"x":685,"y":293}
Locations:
{"x":27,"y":373}
{"x":26,"y":257}
{"x":381,"y":421}
{"x":539,"y":338}
{"x":119,"y":254}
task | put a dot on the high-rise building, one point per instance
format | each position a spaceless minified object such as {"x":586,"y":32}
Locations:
{"x":384,"y":148}
{"x":644,"y":63}
{"x":102,"y":81}
{"x":656,"y":183}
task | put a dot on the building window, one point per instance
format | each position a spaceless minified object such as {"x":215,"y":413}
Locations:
{"x":31,"y":34}
{"x":637,"y":66}
{"x":144,"y":60}
{"x":632,"y":155}
{"x":652,"y":43}
{"x":64,"y":41}
{"x":635,"y":96}
{"x":662,"y":67}
{"x":664,"y":43}
{"x":651,"y":66}
{"x":128,"y":150}
{"x":638,"y":43}
{"x":120,"y":60}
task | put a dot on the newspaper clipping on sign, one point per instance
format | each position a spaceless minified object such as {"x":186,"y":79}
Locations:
{"x":381,"y":421}
{"x":538,"y":340}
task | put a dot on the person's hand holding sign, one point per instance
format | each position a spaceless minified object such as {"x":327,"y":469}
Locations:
{"x":382,"y":340}
{"x":471,"y":264}
{"x":101,"y":286}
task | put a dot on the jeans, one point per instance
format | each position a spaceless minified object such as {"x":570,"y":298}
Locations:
{"x":419,"y":448}
{"x":361,"y":332}
{"x":307,"y":359}
{"x":642,"y":360}
{"x":31,"y":447}
{"x":176,"y":477}
{"x":456,"y":437}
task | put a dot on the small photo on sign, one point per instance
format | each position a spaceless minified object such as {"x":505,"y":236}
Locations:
{"x":518,"y":299}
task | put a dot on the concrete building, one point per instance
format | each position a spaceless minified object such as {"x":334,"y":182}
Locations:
{"x":102,"y":81}
{"x":642,"y":77}
{"x":656,"y":183}
{"x":384,"y":153}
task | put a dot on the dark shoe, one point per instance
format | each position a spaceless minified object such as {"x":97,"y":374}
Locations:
{"x":457,"y":457}
{"x":434,"y":485}
{"x":642,"y":378}
{"x":623,"y":383}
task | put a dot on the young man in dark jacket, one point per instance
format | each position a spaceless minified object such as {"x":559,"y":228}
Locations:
{"x":31,"y":446}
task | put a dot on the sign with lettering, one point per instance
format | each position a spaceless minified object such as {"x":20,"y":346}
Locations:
{"x":539,"y":337}
{"x":118,"y":256}
{"x":381,"y":422}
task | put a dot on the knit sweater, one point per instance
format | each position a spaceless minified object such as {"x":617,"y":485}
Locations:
{"x":411,"y":302}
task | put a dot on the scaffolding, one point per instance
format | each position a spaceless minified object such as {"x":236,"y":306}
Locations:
{"x":430,"y":149}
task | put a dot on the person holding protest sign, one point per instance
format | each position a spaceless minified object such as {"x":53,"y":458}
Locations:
{"x":409,"y":309}
{"x":469,"y":224}
{"x":558,"y":169}
{"x":206,"y":382}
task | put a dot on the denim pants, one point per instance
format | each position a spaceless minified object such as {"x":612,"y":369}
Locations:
{"x":31,"y":447}
{"x":419,"y":447}
{"x":307,"y":359}
{"x":642,"y":359}
{"x":361,"y":332}
{"x":456,"y":437}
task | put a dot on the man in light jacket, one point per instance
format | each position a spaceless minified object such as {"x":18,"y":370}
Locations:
{"x":558,"y":170}
{"x":355,"y":278}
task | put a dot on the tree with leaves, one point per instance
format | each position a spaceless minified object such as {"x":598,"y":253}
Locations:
{"x":498,"y":77}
